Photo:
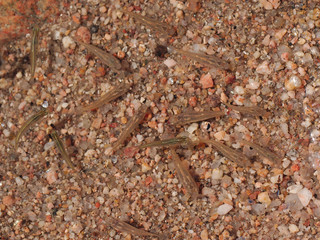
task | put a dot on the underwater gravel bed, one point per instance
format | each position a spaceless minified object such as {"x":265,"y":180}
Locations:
{"x":266,"y":58}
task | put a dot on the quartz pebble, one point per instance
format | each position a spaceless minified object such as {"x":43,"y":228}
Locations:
{"x":67,"y":41}
{"x":170,"y":63}
{"x":216,"y":174}
{"x":263,"y":68}
{"x":304,"y":196}
{"x":224,"y":209}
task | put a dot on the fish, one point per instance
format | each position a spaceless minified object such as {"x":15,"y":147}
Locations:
{"x":228,"y":152}
{"x":131,"y":126}
{"x":208,"y":60}
{"x":253,"y":111}
{"x":55,"y":137}
{"x":193,"y":116}
{"x":129,"y":229}
{"x":153,"y":24}
{"x":274,"y":158}
{"x":34,"y":49}
{"x":167,"y":142}
{"x":105,"y":57}
{"x":184,"y":176}
{"x":111,"y":95}
{"x":31,"y":121}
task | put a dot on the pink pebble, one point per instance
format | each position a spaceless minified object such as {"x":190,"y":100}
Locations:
{"x":52,"y":176}
{"x":206,"y":81}
{"x":84,"y":34}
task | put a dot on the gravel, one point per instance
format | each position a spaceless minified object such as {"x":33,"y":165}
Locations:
{"x":272,"y":47}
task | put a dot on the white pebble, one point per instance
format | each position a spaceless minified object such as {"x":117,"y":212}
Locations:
{"x":193,"y":127}
{"x":6,"y":132}
{"x":19,"y":181}
{"x":309,"y":90}
{"x":293,"y":82}
{"x":216,"y":173}
{"x":170,"y":63}
{"x":253,"y":84}
{"x":304,"y":196}
{"x":239,"y":90}
{"x":294,"y":188}
{"x":293,"y":228}
{"x":224,"y":209}
{"x":67,"y":41}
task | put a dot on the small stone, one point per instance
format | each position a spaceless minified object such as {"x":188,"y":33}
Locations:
{"x":19,"y":181}
{"x":52,"y":176}
{"x":77,"y":227}
{"x":193,"y":127}
{"x":96,"y":123}
{"x":293,"y":83}
{"x":170,"y":63}
{"x":103,"y":9}
{"x":294,"y":188}
{"x":206,"y":81}
{"x":145,"y":167}
{"x":216,"y":174}
{"x":83,"y":34}
{"x":67,"y":42}
{"x":293,"y":228}
{"x":263,"y":68}
{"x":264,"y":198}
{"x":204,"y":234}
{"x":7,"y":200}
{"x":280,"y":33}
{"x":224,"y":209}
{"x":304,"y":196}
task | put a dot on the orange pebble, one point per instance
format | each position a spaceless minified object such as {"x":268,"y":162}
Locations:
{"x":295,"y":168}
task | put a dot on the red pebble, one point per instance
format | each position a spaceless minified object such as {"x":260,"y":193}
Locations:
{"x":295,"y":168}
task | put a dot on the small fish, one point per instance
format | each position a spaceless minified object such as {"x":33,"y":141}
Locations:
{"x":274,"y":158}
{"x":113,"y":94}
{"x":228,"y":152}
{"x":31,"y":121}
{"x":131,"y":126}
{"x":34,"y":49}
{"x":208,"y":60}
{"x":127,"y":228}
{"x":54,"y":135}
{"x":254,"y":111}
{"x":193,"y":116}
{"x":184,"y":176}
{"x":104,"y":56}
{"x":167,"y":142}
{"x":153,"y":24}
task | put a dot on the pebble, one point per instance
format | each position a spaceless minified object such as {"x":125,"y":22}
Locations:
{"x":204,"y":234}
{"x":19,"y":181}
{"x":7,"y":200}
{"x":264,"y":198}
{"x":170,"y":62}
{"x":193,"y":127}
{"x":52,"y":176}
{"x":304,"y":196}
{"x":224,"y":209}
{"x":293,"y":83}
{"x":263,"y":68}
{"x":67,"y":41}
{"x":216,"y":174}
{"x":206,"y":81}
{"x":293,"y":228}
{"x":83,"y":34}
